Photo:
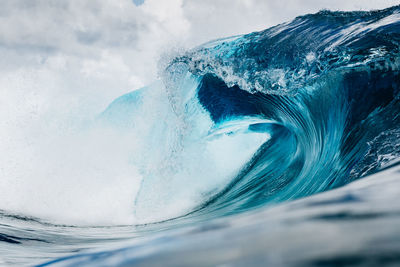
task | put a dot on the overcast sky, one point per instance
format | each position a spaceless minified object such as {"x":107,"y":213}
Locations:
{"x":63,"y":55}
{"x":84,"y":47}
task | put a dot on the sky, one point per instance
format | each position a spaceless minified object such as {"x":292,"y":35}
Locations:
{"x":64,"y":61}
{"x":97,"y":50}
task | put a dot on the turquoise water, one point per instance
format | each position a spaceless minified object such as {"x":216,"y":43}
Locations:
{"x":277,"y":147}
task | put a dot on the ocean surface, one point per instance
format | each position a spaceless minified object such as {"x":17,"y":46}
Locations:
{"x":279,"y":148}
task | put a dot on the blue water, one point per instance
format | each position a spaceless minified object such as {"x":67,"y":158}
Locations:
{"x":238,"y":141}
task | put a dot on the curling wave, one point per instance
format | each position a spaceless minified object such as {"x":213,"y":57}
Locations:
{"x":291,"y":111}
{"x":233,"y":125}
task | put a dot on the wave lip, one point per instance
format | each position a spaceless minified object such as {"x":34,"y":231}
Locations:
{"x":275,"y":115}
{"x":328,"y":82}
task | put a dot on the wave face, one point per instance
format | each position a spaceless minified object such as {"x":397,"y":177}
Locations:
{"x":251,"y":121}
{"x":275,"y":115}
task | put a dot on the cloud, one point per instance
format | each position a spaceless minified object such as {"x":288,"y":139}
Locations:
{"x":114,"y":44}
{"x":133,"y":34}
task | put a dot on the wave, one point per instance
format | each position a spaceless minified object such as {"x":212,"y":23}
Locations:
{"x":237,"y":124}
{"x":291,"y":111}
{"x":360,"y":221}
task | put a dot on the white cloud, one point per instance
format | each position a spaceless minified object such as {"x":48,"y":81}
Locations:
{"x":122,"y":42}
{"x":117,"y":39}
